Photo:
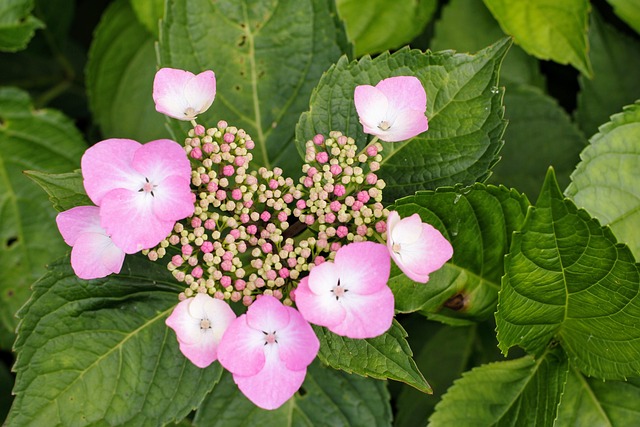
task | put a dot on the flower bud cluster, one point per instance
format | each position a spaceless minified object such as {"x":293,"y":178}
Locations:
{"x":257,"y":232}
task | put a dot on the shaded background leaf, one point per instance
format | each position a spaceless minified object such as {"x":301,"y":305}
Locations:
{"x":540,"y":134}
{"x":327,"y":397}
{"x":478,"y":221}
{"x":267,"y":56}
{"x":38,"y":140}
{"x":17,"y":25}
{"x":567,"y":279}
{"x":547,"y":29}
{"x":614,"y":85}
{"x":605,"y":183}
{"x":149,"y":13}
{"x":65,"y":190}
{"x":464,"y":107}
{"x":99,"y":351}
{"x":120,"y":73}
{"x":628,"y":11}
{"x":592,"y":402}
{"x":387,"y":356}
{"x":402,"y":21}
{"x":522,"y":392}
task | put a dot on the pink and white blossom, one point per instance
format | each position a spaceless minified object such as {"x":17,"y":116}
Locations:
{"x":416,"y":247}
{"x":181,"y":94}
{"x":268,"y":350}
{"x":350,"y":295}
{"x":199,"y":324}
{"x":94,"y":254}
{"x":142,"y":190}
{"x":394,"y":109}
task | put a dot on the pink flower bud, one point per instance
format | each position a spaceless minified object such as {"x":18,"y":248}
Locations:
{"x":177,"y":260}
{"x":322,"y":157}
{"x":335,"y":246}
{"x":225,"y":281}
{"x":361,"y":230}
{"x":210,"y":224}
{"x":267,"y":248}
{"x":371,"y":179}
{"x":207,"y":247}
{"x":342,"y":231}
{"x":265,"y":216}
{"x":229,"y":137}
{"x":284,"y":273}
{"x":282,"y":216}
{"x":319,"y":260}
{"x":236,"y":194}
{"x":252,"y":229}
{"x":312,"y":171}
{"x":271,"y":275}
{"x":228,"y":170}
{"x":197,"y":272}
{"x":187,"y":250}
{"x":249,"y":144}
{"x":240,"y":160}
{"x":335,"y":169}
{"x":329,"y":218}
{"x":221,"y":194}
{"x":196,"y":153}
{"x":208,"y":147}
{"x":372,"y":151}
{"x":339,"y":190}
{"x":318,"y":139}
{"x":363,"y":196}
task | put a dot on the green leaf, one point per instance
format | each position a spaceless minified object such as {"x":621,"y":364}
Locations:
{"x":267,"y":56}
{"x":547,"y":29}
{"x":99,"y":352}
{"x":6,"y":384}
{"x":527,"y":155}
{"x":149,"y":13}
{"x":387,"y":356}
{"x":628,"y":11}
{"x":17,"y":25}
{"x":376,"y":26}
{"x":567,"y":279}
{"x":467,"y":26}
{"x":605,"y":183}
{"x":521,"y":392}
{"x":464,"y":107}
{"x":327,"y":397}
{"x":444,"y":355}
{"x":120,"y":72}
{"x":613,"y":55}
{"x":65,"y":190}
{"x":591,"y":402}
{"x":478,"y":221}
{"x":29,"y":139}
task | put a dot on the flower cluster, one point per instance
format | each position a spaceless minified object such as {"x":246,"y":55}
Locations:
{"x":293,"y":252}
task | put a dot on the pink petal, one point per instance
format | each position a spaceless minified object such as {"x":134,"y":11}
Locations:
{"x":404,"y":93}
{"x":407,"y":230}
{"x":159,"y":159}
{"x":200,"y":91}
{"x":406,"y":125}
{"x":273,"y":385}
{"x":181,"y":95}
{"x":94,"y":255}
{"x":173,"y":199}
{"x":129,"y":219}
{"x":363,"y":267}
{"x":107,"y":165}
{"x":297,"y":343}
{"x":425,"y":255}
{"x":323,"y":278}
{"x":75,"y":221}
{"x":198,"y":344}
{"x":267,"y":314}
{"x":242,"y":349}
{"x":371,"y":105}
{"x":321,"y":309}
{"x":367,"y":315}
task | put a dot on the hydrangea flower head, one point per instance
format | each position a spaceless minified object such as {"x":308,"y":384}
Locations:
{"x":94,"y":254}
{"x":394,"y":109}
{"x":268,"y":350}
{"x":416,"y":247}
{"x":181,"y":94}
{"x":350,"y":296}
{"x":142,"y":190}
{"x":200,"y":323}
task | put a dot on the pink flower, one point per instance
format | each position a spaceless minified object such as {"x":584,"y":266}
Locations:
{"x":268,"y":350}
{"x":142,"y":190}
{"x":181,"y":94}
{"x":416,"y":247}
{"x":94,"y":254}
{"x":350,"y":296}
{"x":393,"y":110}
{"x":200,"y":323}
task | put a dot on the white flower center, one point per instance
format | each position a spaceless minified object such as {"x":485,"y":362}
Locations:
{"x":148,"y":187}
{"x":339,"y":291}
{"x":189,"y":112}
{"x":205,"y":324}
{"x":396,"y":248}
{"x":270,"y":337}
{"x":384,"y":125}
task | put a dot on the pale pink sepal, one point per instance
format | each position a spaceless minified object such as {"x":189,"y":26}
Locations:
{"x":268,"y":350}
{"x":416,"y":247}
{"x":94,"y":254}
{"x":394,"y":109}
{"x":199,"y":324}
{"x":181,"y":94}
{"x":350,"y":295}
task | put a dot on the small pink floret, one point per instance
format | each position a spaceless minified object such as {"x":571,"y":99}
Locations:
{"x":181,"y":94}
{"x":416,"y":247}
